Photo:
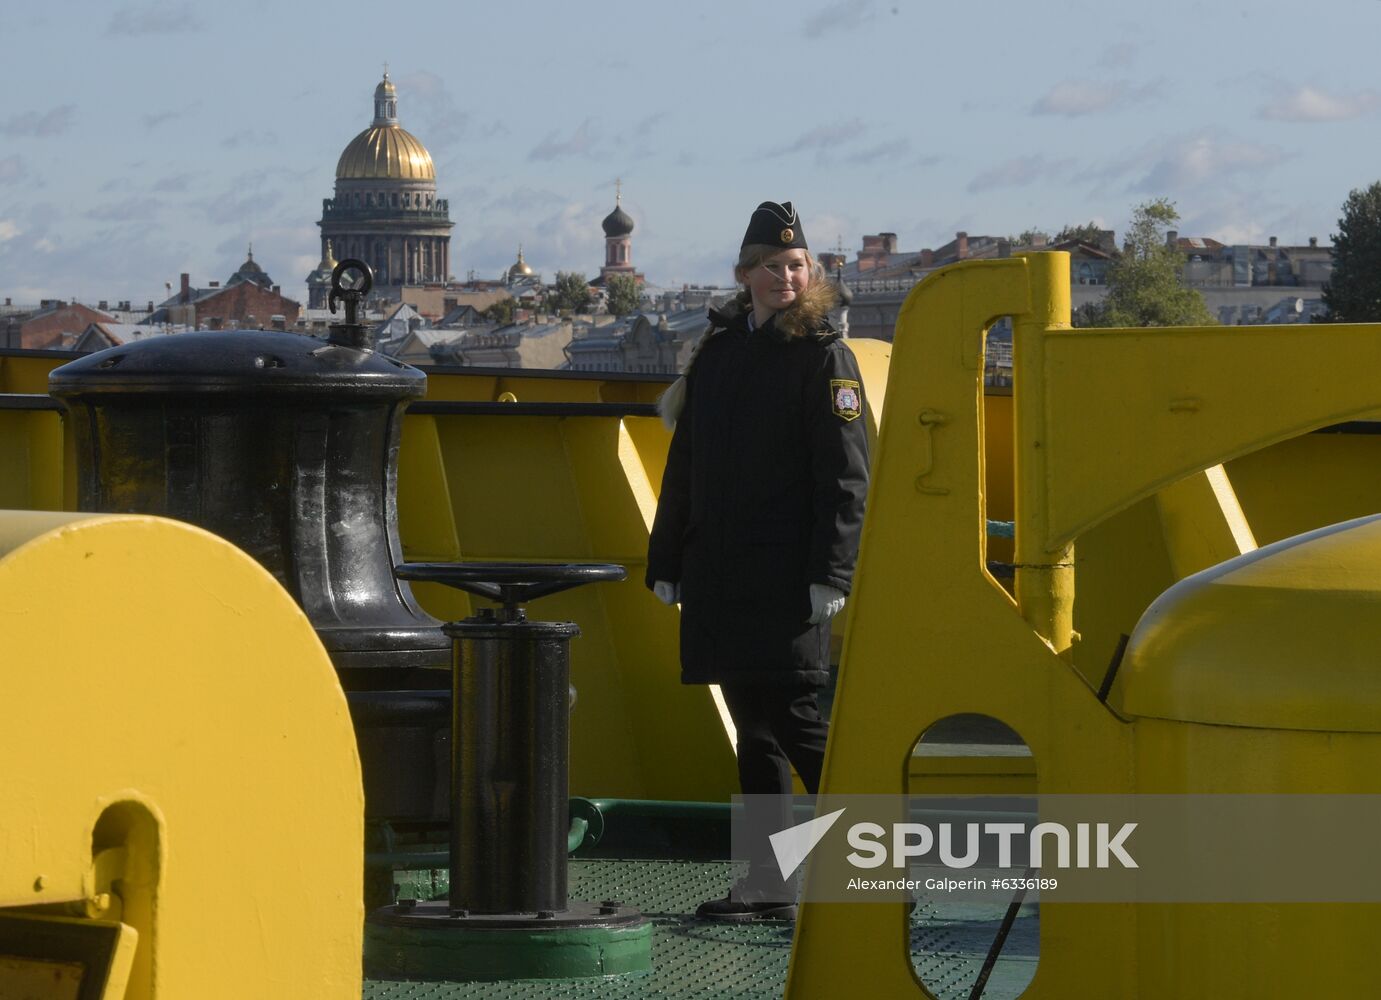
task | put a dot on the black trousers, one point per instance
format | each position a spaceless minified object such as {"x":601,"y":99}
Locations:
{"x":779,"y":726}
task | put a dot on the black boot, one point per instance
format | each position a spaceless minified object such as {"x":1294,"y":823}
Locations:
{"x":748,"y":901}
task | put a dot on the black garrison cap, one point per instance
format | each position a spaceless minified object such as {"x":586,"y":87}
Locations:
{"x":775,"y":225}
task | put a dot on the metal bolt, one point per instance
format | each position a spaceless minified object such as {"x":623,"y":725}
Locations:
{"x":546,"y":914}
{"x":616,"y":903}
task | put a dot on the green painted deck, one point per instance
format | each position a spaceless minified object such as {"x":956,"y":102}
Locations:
{"x":695,"y":959}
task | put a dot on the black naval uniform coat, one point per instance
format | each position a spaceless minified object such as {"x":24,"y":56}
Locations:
{"x":762,"y":496}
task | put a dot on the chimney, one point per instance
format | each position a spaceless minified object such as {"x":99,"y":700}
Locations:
{"x":214,"y":284}
{"x":149,"y":307}
{"x":1313,"y":241}
{"x":1273,"y":241}
{"x":961,"y":245}
{"x":1004,"y":248}
{"x":1172,"y":239}
{"x":103,"y":305}
{"x":186,"y":295}
{"x":7,"y":301}
{"x":927,"y":257}
{"x":275,"y":289}
{"x":889,"y":242}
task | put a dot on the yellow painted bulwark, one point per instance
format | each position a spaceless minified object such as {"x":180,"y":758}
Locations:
{"x":1254,"y":676}
{"x":932,"y":635}
{"x":1282,"y":638}
{"x":163,"y":699}
{"x":539,"y":489}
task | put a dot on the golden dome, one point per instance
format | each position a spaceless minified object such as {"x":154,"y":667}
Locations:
{"x":385,"y":88}
{"x":520,"y":266}
{"x":385,"y":152}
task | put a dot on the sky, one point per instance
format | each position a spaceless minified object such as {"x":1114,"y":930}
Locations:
{"x":141,"y":140}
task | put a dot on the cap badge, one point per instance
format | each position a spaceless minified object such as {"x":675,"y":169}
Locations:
{"x":788,"y":235}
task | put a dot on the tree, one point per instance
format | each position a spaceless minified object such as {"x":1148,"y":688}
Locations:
{"x":1144,"y":282}
{"x":572,"y":291}
{"x":1088,"y":233}
{"x":501,"y":312}
{"x":623,"y":294}
{"x":1353,"y":291}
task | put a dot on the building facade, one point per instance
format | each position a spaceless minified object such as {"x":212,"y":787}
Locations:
{"x":248,"y":300}
{"x":385,"y":210}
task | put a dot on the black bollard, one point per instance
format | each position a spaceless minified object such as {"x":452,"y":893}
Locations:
{"x":287,"y":446}
{"x":509,"y":802}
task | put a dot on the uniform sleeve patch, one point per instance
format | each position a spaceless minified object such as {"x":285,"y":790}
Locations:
{"x":846,"y":397}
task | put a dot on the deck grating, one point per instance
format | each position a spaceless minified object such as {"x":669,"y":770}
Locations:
{"x":695,"y":959}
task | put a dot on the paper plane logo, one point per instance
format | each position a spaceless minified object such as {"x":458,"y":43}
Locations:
{"x":794,"y":844}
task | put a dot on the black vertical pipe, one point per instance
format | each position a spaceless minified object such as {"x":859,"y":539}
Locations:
{"x":510,"y":746}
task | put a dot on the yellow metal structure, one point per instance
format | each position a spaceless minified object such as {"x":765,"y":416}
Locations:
{"x":579,"y":489}
{"x":1104,"y":421}
{"x":514,"y":488}
{"x":571,"y":489}
{"x":176,"y":754}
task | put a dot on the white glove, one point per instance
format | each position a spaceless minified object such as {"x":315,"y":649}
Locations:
{"x":667,"y":593}
{"x":825,"y":602}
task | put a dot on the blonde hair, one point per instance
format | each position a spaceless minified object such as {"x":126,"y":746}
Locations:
{"x":802,"y":317}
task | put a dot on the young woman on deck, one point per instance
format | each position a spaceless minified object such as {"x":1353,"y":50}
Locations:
{"x":758,"y":521}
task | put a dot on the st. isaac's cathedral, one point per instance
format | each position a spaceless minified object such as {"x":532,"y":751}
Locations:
{"x":386,"y":211}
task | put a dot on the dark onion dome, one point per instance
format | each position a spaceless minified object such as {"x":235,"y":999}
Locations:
{"x":618,"y":222}
{"x":250,"y":271}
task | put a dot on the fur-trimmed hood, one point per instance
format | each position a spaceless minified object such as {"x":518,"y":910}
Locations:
{"x":807,"y":316}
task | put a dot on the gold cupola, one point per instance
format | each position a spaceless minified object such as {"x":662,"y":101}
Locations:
{"x":385,"y":150}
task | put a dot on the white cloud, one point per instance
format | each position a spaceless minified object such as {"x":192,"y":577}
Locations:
{"x":1018,"y":172}
{"x":1118,"y":55}
{"x":823,"y":138}
{"x":154,"y":19}
{"x":844,"y":15}
{"x":31,"y":123}
{"x":1309,"y":104}
{"x":11,"y":169}
{"x":1203,"y":158}
{"x":884,"y":151}
{"x":1173,"y":165}
{"x":8,"y":230}
{"x":551,"y":147}
{"x":1075,"y":98}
